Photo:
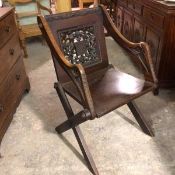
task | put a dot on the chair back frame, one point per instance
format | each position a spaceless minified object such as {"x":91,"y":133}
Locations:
{"x":83,"y":30}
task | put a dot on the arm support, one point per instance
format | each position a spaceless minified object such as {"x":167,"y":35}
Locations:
{"x":139,"y":50}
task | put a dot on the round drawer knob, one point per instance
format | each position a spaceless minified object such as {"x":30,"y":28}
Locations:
{"x":11,"y":51}
{"x":1,"y":108}
{"x":18,"y":76}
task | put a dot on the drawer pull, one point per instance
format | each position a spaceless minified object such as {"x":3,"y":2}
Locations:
{"x":7,"y":29}
{"x":11,"y":51}
{"x":1,"y":108}
{"x":18,"y":76}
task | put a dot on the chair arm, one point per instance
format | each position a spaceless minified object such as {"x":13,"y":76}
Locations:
{"x":140,"y":50}
{"x":13,"y":2}
{"x":83,"y":85}
{"x":46,"y":31}
{"x":42,"y":7}
{"x":86,"y":90}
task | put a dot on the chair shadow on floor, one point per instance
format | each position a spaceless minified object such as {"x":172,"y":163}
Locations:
{"x":73,"y":149}
{"x":120,"y":114}
{"x":53,"y":116}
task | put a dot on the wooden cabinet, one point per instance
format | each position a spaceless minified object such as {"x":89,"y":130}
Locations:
{"x":154,"y":22}
{"x":13,"y":78}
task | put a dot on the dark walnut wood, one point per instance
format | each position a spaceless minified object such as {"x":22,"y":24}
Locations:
{"x":77,"y":44}
{"x":13,"y":78}
{"x":154,"y":22}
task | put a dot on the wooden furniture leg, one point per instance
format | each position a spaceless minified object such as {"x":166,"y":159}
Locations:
{"x":24,"y":48}
{"x":156,"y":91}
{"x":22,"y":43}
{"x":140,"y":118}
{"x":72,"y":122}
{"x":77,"y":132}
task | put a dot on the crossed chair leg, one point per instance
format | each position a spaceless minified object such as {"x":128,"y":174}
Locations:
{"x":74,"y":125}
{"x":74,"y":120}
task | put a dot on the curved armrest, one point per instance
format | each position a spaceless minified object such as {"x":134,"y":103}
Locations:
{"x":140,"y":50}
{"x":69,"y":66}
{"x":41,"y":7}
{"x":13,"y":2}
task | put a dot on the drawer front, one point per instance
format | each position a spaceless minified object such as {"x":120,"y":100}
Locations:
{"x":11,"y":89}
{"x":8,"y":56}
{"x":7,"y":28}
{"x":153,"y":17}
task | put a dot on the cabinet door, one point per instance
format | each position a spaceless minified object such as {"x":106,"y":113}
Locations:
{"x":127,"y":25}
{"x":119,"y":18}
{"x":138,"y":31}
{"x":153,"y":41}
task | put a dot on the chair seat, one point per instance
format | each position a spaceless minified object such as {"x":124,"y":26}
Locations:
{"x":115,"y":88}
{"x":30,"y":30}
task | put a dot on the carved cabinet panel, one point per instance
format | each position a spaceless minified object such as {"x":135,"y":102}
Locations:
{"x":135,"y":5}
{"x":127,"y":25}
{"x":138,"y":34}
{"x":153,"y":41}
{"x":119,"y":19}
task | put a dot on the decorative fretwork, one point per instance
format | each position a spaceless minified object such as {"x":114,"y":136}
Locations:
{"x":79,"y":45}
{"x":139,"y":53}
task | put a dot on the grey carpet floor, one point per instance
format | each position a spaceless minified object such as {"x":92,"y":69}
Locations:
{"x":32,"y":147}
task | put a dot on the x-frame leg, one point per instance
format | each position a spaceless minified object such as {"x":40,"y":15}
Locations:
{"x":140,"y":118}
{"x":77,"y":132}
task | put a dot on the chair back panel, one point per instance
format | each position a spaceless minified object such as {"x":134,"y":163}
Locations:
{"x":80,"y":36}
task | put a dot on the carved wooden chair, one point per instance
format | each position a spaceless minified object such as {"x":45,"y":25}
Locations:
{"x":77,"y":43}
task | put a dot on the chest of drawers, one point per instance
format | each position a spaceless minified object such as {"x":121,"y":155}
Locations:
{"x":13,"y":79}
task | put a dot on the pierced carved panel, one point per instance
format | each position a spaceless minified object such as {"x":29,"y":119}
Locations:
{"x":139,"y":53}
{"x":79,"y":45}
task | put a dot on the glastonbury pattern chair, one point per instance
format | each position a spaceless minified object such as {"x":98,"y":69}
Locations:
{"x":77,"y":44}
